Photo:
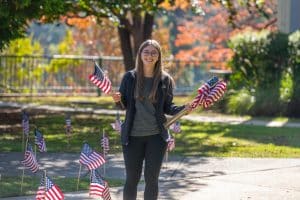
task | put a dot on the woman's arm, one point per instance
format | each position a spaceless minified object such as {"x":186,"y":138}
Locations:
{"x":169,"y":107}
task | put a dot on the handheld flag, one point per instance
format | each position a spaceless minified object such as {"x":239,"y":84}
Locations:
{"x":208,"y":93}
{"x":98,"y":187}
{"x":40,"y":141}
{"x":90,"y":158}
{"x":30,"y":161}
{"x":100,"y":79}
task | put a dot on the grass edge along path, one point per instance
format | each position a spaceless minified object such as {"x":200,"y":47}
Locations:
{"x":10,"y":185}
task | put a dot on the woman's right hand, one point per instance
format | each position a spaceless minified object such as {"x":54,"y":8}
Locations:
{"x":116,"y":97}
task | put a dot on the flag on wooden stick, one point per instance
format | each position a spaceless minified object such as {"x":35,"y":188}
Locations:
{"x":98,"y":186}
{"x":25,"y":123}
{"x":39,"y":141}
{"x":48,"y":190}
{"x":30,"y":161}
{"x":100,"y":79}
{"x":90,"y":158}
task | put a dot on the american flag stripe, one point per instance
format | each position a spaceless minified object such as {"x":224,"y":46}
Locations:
{"x":98,"y":186}
{"x":40,"y":141}
{"x":104,"y":85}
{"x":54,"y":193}
{"x":40,"y":194}
{"x":93,"y":161}
{"x":96,"y":189}
{"x":30,"y":160}
{"x":25,"y":123}
{"x":106,"y":193}
{"x":171,"y":144}
{"x":105,"y":144}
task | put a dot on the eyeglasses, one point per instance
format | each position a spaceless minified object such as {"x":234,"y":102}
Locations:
{"x":152,"y":53}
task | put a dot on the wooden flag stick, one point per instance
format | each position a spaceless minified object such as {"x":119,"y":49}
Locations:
{"x":78,"y":178}
{"x":22,"y":178}
{"x":103,"y":147}
{"x":23,"y":173}
{"x":45,"y":175}
{"x":23,"y":138}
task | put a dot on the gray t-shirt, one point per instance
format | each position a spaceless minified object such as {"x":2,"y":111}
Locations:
{"x":145,"y":123}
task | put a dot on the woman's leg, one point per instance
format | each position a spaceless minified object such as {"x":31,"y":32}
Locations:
{"x":155,"y":150}
{"x":134,"y":154}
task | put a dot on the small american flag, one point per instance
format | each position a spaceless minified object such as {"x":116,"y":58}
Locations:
{"x":175,"y":127}
{"x":100,"y":79}
{"x":171,"y":144}
{"x":49,"y":192}
{"x":209,"y":92}
{"x":30,"y":161}
{"x":90,"y":158}
{"x":117,"y":124}
{"x":68,"y":125}
{"x":40,"y":141}
{"x":215,"y":94}
{"x":98,"y":187}
{"x":25,"y":123}
{"x":105,"y":144}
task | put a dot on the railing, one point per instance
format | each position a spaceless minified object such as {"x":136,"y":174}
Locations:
{"x":68,"y":74}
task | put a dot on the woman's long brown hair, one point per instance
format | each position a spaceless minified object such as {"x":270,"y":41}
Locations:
{"x":157,"y":73}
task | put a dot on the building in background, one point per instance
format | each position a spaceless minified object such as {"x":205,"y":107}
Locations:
{"x":288,"y":15}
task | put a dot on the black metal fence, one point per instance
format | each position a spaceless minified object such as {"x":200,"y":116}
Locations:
{"x":68,"y":74}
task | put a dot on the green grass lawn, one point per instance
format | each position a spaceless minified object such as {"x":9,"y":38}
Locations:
{"x":197,"y":138}
{"x":11,"y":186}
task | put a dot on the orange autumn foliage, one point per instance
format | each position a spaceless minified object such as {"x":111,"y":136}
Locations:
{"x":205,"y":37}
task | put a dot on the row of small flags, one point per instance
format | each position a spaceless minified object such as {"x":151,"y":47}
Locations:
{"x":88,"y":157}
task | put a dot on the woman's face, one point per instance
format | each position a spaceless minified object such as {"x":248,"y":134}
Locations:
{"x":149,"y":56}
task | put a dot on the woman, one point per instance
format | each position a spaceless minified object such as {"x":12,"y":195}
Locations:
{"x":146,"y":94}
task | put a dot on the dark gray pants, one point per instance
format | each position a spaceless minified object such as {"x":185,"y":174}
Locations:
{"x":151,"y":149}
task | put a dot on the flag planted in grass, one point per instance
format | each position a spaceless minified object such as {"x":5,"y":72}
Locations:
{"x":68,"y":125}
{"x":50,"y":191}
{"x":25,"y":123}
{"x":117,"y":124}
{"x":90,"y":158}
{"x":98,"y":187}
{"x":30,"y":161}
{"x":39,"y":141}
{"x":100,"y":79}
{"x":105,"y":144}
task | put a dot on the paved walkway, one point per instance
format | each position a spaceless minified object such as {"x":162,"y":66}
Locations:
{"x":185,"y":178}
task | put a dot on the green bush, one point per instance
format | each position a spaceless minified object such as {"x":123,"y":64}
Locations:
{"x":258,"y":65}
{"x":294,"y":62}
{"x":240,"y":102}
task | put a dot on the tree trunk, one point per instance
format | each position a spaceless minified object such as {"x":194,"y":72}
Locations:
{"x":139,"y":31}
{"x":126,"y":48}
{"x":148,"y":26}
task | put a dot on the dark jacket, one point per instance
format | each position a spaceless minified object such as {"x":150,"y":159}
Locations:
{"x":163,"y":105}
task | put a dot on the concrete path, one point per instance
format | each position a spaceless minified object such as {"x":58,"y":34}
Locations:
{"x":186,"y":178}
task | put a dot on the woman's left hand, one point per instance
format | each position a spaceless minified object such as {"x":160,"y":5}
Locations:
{"x":188,"y":108}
